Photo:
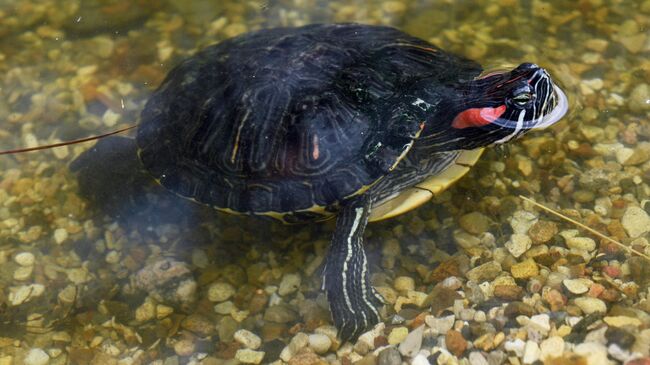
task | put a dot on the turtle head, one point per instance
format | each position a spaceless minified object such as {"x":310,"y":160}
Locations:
{"x":500,"y":106}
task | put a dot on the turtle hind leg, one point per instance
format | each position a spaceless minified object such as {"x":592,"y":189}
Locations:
{"x":354,"y":303}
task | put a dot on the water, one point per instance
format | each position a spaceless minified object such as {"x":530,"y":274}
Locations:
{"x":73,"y":69}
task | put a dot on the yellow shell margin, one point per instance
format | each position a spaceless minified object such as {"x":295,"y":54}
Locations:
{"x":421,"y":193}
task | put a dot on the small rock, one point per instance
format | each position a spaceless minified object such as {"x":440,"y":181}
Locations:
{"x":440,"y":325}
{"x":184,"y":347}
{"x":455,"y":342}
{"x":476,"y":358}
{"x":474,"y":223}
{"x":25,"y":259}
{"x":518,"y":244}
{"x":420,"y":359}
{"x":146,"y":311}
{"x":522,"y":220}
{"x":635,"y":221}
{"x":412,"y":343}
{"x":289,"y":284}
{"x":163,"y":311}
{"x":389,"y":356}
{"x":280,"y":314}
{"x":619,"y":337}
{"x":404,"y":283}
{"x":24,"y":293}
{"x":220,"y":292}
{"x":525,"y":269}
{"x":540,"y":322}
{"x":225,"y":308}
{"x":551,"y":347}
{"x":581,"y":243}
{"x":226,"y":328}
{"x":590,"y":305}
{"x":60,"y":235}
{"x":577,"y":286}
{"x":485,"y":272}
{"x":465,"y":240}
{"x":622,"y":321}
{"x":299,"y":341}
{"x":397,"y":335}
{"x":23,"y":273}
{"x":517,"y":346}
{"x":639,"y":99}
{"x":36,"y":356}
{"x":201,"y":325}
{"x":320,"y":343}
{"x":542,"y":232}
{"x":248,"y":356}
{"x":531,"y":352}
{"x":248,"y":339}
{"x":594,"y":353}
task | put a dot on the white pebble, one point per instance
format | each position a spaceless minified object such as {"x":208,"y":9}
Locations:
{"x":581,"y":243}
{"x":531,"y":352}
{"x":36,"y":356}
{"x":577,"y":286}
{"x":289,"y":284}
{"x":540,"y":322}
{"x":248,"y":339}
{"x":60,"y":235}
{"x":319,"y":343}
{"x":248,"y":356}
{"x":25,"y":259}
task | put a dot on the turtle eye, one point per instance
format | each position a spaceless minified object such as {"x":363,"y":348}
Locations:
{"x":522,"y":99}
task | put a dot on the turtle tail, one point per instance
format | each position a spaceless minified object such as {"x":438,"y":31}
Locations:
{"x":354,"y":303}
{"x":111,"y":177}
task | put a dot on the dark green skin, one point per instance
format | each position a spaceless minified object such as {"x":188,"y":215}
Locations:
{"x":288,"y":119}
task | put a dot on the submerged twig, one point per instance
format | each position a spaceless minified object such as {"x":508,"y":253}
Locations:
{"x":585,"y":227}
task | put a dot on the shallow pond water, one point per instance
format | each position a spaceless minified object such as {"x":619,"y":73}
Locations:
{"x":165,"y":281}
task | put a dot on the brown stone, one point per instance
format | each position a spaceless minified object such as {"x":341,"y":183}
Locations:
{"x":258,"y":302}
{"x":616,"y":230}
{"x":200,"y":325}
{"x":455,"y":342}
{"x":542,"y":232}
{"x":444,"y":270}
{"x":508,"y":292}
{"x":81,"y":356}
{"x":441,"y":299}
{"x":555,"y":299}
{"x":307,"y":358}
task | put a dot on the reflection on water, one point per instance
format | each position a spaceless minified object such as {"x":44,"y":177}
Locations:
{"x":170,"y":280}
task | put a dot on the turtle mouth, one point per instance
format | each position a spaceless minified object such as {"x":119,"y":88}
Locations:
{"x":560,"y":109}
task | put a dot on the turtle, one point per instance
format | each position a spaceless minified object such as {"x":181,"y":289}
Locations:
{"x":347,"y":121}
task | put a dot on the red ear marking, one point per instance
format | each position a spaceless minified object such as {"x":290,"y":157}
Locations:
{"x":477,"y":117}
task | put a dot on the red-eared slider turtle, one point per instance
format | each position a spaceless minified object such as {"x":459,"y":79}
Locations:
{"x":354,"y":121}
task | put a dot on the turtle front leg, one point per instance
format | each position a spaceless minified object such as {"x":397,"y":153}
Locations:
{"x":354,"y":303}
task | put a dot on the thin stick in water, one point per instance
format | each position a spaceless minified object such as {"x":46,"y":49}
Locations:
{"x":587,"y":228}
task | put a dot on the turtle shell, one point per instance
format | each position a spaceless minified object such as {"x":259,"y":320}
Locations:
{"x":284,"y":120}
